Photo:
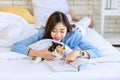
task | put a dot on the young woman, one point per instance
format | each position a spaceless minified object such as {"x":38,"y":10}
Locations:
{"x":59,"y":29}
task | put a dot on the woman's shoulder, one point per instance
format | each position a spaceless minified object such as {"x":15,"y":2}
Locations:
{"x":41,"y":30}
{"x":75,"y":33}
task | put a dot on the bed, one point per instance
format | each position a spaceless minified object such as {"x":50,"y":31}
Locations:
{"x":15,"y":66}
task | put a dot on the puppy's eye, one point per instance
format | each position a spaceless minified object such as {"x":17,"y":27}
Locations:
{"x":63,"y":47}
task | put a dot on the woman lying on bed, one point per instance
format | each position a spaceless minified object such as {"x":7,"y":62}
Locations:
{"x":58,"y":28}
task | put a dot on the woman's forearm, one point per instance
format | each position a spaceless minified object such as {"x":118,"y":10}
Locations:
{"x":32,"y":53}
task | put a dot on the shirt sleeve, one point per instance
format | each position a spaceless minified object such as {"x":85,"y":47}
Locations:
{"x":75,"y":41}
{"x":22,"y":46}
{"x":92,"y":51}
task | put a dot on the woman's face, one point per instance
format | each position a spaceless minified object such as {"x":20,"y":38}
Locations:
{"x":59,"y":32}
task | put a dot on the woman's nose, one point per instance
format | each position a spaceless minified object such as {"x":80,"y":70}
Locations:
{"x":58,"y":34}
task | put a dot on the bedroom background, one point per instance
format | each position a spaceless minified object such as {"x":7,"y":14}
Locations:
{"x":82,"y":8}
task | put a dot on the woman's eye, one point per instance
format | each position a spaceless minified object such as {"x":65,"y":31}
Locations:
{"x":62,"y":31}
{"x":54,"y":30}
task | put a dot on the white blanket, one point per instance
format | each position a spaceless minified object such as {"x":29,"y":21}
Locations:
{"x":41,"y":44}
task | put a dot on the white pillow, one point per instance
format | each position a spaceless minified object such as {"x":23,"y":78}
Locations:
{"x":42,"y":9}
{"x":11,"y":28}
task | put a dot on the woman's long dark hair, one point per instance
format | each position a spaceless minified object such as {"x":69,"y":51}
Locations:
{"x":52,"y":21}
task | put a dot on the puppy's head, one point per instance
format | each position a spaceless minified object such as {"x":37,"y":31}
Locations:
{"x":60,"y":49}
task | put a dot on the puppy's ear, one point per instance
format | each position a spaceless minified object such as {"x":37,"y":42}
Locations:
{"x":53,"y":42}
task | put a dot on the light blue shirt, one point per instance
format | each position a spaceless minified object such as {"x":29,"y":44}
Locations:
{"x":72,"y":39}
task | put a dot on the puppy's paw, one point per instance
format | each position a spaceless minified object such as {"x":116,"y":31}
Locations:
{"x":36,"y":60}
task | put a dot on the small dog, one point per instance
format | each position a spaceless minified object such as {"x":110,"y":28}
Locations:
{"x":57,"y":50}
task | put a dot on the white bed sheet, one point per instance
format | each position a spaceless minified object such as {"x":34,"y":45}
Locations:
{"x":23,"y":70}
{"x":102,"y":44}
{"x":15,"y":66}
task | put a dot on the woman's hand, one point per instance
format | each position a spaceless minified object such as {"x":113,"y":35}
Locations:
{"x":72,"y":56}
{"x":76,"y":53}
{"x":44,"y":53}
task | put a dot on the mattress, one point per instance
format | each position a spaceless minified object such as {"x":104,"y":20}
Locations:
{"x":15,"y":66}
